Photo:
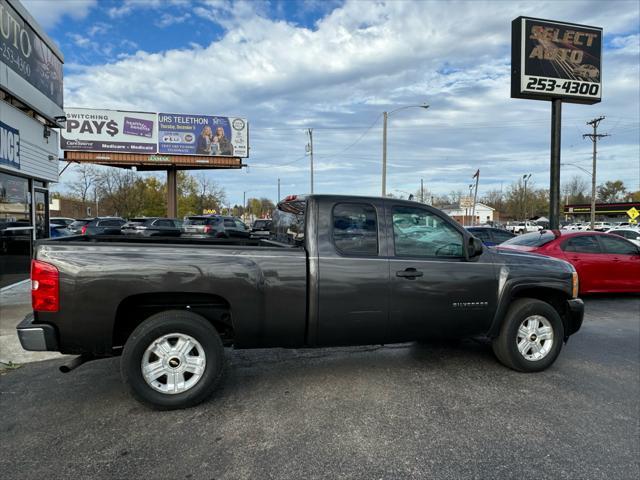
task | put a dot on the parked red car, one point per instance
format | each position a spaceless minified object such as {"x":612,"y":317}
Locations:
{"x":604,"y":262}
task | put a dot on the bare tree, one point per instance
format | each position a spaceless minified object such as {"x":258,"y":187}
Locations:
{"x":83,"y":188}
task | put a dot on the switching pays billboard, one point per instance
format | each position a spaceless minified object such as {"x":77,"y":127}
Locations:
{"x":183,"y":134}
{"x":551,"y":59}
{"x":109,"y":131}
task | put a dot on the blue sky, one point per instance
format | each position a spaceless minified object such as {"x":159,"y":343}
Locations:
{"x":335,"y":67}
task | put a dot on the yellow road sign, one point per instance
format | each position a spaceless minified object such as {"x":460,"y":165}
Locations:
{"x":633,"y":213}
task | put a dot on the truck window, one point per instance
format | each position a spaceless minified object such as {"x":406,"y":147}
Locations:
{"x":419,"y":233}
{"x":355,"y":229}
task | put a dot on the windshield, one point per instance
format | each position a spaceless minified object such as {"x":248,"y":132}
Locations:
{"x":535,"y":239}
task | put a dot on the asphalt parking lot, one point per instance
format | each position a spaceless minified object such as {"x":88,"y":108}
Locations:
{"x":400,"y":411}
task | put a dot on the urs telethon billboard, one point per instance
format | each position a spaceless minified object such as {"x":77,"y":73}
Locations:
{"x":551,"y":60}
{"x":182,"y":134}
{"x":92,"y":130}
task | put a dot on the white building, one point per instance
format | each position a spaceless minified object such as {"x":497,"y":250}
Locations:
{"x":30,"y":109}
{"x":483,"y":214}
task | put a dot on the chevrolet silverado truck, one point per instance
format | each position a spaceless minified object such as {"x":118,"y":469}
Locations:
{"x":338,"y":270}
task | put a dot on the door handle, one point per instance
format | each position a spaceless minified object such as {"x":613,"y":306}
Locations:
{"x":410,"y":273}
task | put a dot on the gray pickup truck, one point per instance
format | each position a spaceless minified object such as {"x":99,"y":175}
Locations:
{"x":338,"y":270}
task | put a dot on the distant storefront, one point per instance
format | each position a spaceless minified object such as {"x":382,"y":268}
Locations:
{"x":30,"y":109}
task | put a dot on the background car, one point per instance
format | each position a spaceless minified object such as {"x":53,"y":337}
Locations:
{"x":604,"y":262}
{"x":153,"y":226}
{"x":261,"y":228}
{"x":76,"y":226}
{"x":490,"y":236}
{"x":602,"y":226}
{"x":103,"y":226}
{"x":66,"y":221}
{"x":630,"y":233}
{"x":214,"y":226}
{"x":58,"y":230}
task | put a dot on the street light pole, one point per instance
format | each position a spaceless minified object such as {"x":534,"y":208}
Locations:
{"x":278,"y":191}
{"x":385,"y":117}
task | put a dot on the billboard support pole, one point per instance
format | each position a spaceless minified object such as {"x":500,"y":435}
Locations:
{"x":172,"y":193}
{"x":554,"y":181}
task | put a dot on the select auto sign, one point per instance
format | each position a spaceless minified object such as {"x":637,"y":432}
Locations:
{"x":9,"y":146}
{"x":551,"y":59}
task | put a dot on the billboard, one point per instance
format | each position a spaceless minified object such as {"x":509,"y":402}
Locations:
{"x":24,"y":52}
{"x":150,"y":133}
{"x":552,"y":59}
{"x":109,"y":131}
{"x":182,"y":134}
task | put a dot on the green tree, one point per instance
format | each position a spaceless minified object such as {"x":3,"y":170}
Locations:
{"x":611,"y":191}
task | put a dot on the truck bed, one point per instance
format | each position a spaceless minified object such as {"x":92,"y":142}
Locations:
{"x":263,"y":284}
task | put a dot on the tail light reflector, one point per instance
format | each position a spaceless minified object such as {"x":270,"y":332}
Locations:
{"x":207,"y":229}
{"x":45,"y":287}
{"x":84,"y":230}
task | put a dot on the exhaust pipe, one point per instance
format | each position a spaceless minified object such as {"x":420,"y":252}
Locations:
{"x":75,"y":363}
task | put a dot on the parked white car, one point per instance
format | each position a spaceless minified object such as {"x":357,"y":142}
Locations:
{"x":602,"y":226}
{"x":630,"y":233}
{"x":524,"y":227}
{"x":577,"y":227}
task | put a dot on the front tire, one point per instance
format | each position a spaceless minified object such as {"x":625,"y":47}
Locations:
{"x":174,"y":359}
{"x":531,"y":336}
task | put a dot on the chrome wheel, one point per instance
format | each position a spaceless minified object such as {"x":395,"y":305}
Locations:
{"x":535,"y":338}
{"x":173,"y":363}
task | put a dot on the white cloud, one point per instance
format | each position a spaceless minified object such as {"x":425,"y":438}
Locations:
{"x":356,"y":62}
{"x":49,"y":13}
{"x":166,"y":19}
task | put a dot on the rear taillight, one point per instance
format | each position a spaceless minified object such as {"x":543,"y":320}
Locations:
{"x":45,"y":283}
{"x":207,"y":229}
{"x":84,"y":230}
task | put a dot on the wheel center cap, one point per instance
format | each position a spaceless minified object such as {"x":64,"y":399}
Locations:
{"x":533,"y":337}
{"x":174,"y":362}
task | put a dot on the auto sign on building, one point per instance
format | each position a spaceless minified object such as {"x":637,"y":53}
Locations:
{"x":30,"y":108}
{"x":558,"y":62}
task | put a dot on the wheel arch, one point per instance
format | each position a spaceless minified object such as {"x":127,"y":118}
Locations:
{"x":133,"y":310}
{"x":554,"y":296}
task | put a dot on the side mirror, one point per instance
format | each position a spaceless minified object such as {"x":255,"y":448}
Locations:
{"x":474,"y":247}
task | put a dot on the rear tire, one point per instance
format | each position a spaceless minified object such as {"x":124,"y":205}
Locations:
{"x":531,"y":336}
{"x":174,"y":359}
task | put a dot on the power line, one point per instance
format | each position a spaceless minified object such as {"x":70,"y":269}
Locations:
{"x":594,"y":139}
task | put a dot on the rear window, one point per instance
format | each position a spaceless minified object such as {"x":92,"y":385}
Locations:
{"x":355,"y":230}
{"x":261,"y":223}
{"x":535,"y":239}
{"x":288,"y":222}
{"x":201,"y":220}
{"x":110,"y":223}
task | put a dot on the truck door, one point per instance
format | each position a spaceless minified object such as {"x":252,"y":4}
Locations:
{"x":353,"y":273}
{"x":435,"y":291}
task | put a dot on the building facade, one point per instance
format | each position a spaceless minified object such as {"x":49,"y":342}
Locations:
{"x":31,"y":109}
{"x":484,"y":214}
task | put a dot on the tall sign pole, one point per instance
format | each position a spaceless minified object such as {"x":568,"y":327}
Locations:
{"x":558,"y":62}
{"x":554,"y":170}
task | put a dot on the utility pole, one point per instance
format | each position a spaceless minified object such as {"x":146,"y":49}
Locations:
{"x":594,"y":139}
{"x":311,"y":155}
{"x":526,"y":179}
{"x":421,"y":190}
{"x":278,"y":199}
